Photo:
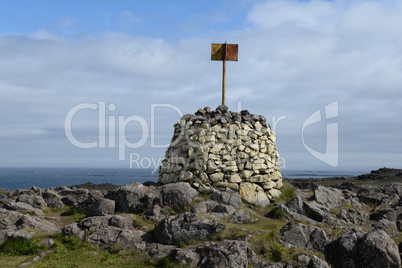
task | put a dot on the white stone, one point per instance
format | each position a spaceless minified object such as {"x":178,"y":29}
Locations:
{"x":279,"y":184}
{"x":275,"y":193}
{"x":247,"y":174}
{"x":275,"y":175}
{"x":259,"y":178}
{"x":268,"y":185}
{"x":242,"y":132}
{"x":215,"y":177}
{"x":253,"y":194}
{"x":254,"y":146}
{"x":234,"y":178}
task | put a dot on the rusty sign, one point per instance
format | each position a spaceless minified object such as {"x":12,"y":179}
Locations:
{"x":219,"y":50}
{"x":224,"y":52}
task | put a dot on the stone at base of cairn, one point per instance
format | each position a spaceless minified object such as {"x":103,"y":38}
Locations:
{"x":224,"y":150}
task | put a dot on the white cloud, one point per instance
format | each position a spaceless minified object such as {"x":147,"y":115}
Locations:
{"x":294,"y":58}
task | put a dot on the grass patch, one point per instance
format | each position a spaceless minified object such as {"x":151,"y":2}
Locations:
{"x":72,"y":252}
{"x":3,"y":192}
{"x":288,"y":192}
{"x":348,"y":206}
{"x":335,"y":211}
{"x":276,"y":213}
{"x":72,"y":212}
{"x":18,"y":247}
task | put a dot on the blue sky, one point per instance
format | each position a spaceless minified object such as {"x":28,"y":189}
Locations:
{"x":170,"y":20}
{"x":151,"y":60}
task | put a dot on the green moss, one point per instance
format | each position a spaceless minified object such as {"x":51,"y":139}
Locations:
{"x":18,"y":247}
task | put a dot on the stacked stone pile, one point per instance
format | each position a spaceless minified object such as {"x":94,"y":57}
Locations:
{"x":224,"y":150}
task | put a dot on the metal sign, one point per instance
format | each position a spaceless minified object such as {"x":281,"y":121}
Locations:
{"x":224,"y":52}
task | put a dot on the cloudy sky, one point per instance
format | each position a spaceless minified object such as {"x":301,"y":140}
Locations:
{"x":326,"y":74}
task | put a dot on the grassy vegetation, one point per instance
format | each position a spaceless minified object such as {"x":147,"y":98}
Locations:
{"x":19,"y":247}
{"x":71,"y":252}
{"x":2,"y":191}
{"x":262,"y":236}
{"x":288,"y":192}
{"x":73,"y":213}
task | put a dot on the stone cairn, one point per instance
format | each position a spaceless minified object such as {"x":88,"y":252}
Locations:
{"x":225,"y":150}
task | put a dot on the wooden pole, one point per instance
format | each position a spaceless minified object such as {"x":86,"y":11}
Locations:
{"x":224,"y":76}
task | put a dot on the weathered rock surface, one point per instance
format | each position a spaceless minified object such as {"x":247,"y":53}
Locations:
{"x":380,"y":194}
{"x":209,"y":254}
{"x":233,"y":199}
{"x":253,"y":194}
{"x":109,"y":230}
{"x":310,"y":211}
{"x":303,"y":236}
{"x":213,"y":209}
{"x":184,"y":227}
{"x":130,"y":198}
{"x":335,"y":210}
{"x":13,"y":221}
{"x":356,"y":249}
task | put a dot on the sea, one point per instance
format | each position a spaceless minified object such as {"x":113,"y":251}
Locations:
{"x":24,"y":178}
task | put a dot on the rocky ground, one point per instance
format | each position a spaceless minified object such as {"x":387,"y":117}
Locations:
{"x":338,"y":222}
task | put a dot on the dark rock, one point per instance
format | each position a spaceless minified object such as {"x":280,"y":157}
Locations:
{"x":353,"y":216}
{"x":244,"y":112}
{"x":130,"y":198}
{"x":329,"y":197}
{"x":303,"y":260}
{"x":207,"y":109}
{"x":13,"y":221}
{"x":214,"y":255}
{"x":154,"y":213}
{"x":380,"y":194}
{"x":151,"y":183}
{"x":101,"y":207}
{"x":223,"y":108}
{"x":318,"y":212}
{"x":201,"y":112}
{"x":73,"y":197}
{"x":355,"y":249}
{"x":109,"y":230}
{"x":242,"y":217}
{"x":21,"y":235}
{"x":158,"y":251}
{"x":385,"y":225}
{"x":233,"y":199}
{"x":23,"y":208}
{"x":184,"y":227}
{"x":52,"y":199}
{"x":35,"y":201}
{"x":303,"y":236}
{"x":254,"y":261}
{"x":213,"y":209}
{"x":316,"y":262}
{"x":178,"y":195}
{"x":346,"y":186}
{"x":187,"y":117}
